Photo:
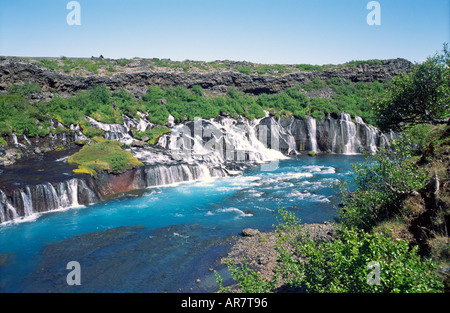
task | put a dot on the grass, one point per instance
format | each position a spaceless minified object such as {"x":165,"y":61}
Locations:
{"x":104,"y":155}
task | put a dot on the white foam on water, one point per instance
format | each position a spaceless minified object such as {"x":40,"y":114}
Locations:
{"x":240,"y":213}
{"x":63,"y":159}
{"x":298,"y":195}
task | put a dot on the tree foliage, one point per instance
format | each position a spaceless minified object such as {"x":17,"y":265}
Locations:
{"x":381,"y":182}
{"x":341,"y":266}
{"x":421,"y":96}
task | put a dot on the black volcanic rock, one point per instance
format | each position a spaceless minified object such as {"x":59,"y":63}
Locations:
{"x":13,"y":71}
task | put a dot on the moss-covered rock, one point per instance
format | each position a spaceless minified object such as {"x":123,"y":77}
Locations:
{"x":105,"y":155}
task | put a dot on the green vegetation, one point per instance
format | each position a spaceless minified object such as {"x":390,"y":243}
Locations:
{"x":309,"y":67}
{"x":93,"y":65}
{"x":152,"y":134}
{"x":341,"y":265}
{"x":3,"y":142}
{"x":104,"y":155}
{"x":314,"y":84}
{"x":366,"y":62}
{"x":382,"y":183}
{"x":67,"y":65}
{"x":20,"y":115}
{"x":395,"y":210}
{"x":422,"y":96}
{"x":248,"y":280}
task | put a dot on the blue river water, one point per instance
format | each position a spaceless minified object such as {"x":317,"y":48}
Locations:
{"x":165,"y":239}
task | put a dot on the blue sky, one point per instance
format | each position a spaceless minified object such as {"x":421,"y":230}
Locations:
{"x":275,"y":31}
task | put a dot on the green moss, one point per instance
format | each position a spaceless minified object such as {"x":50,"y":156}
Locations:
{"x":3,"y":142}
{"x":263,"y":239}
{"x":105,"y":155}
{"x":153,"y":134}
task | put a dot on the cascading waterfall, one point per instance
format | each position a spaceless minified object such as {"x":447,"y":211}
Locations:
{"x":267,"y":139}
{"x":371,"y":134}
{"x":348,"y":133}
{"x":40,"y":198}
{"x":33,"y":200}
{"x":8,"y":211}
{"x":201,"y":149}
{"x":161,"y":175}
{"x":27,"y":203}
{"x":112,"y":131}
{"x":312,"y":132}
{"x":219,"y":141}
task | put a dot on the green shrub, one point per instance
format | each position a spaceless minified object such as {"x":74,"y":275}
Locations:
{"x":123,"y":62}
{"x":24,"y":89}
{"x":248,"y":280}
{"x":341,"y":266}
{"x":92,"y":132}
{"x":51,"y":64}
{"x":314,"y":84}
{"x":3,"y":142}
{"x":247,"y":70}
{"x":381,"y":183}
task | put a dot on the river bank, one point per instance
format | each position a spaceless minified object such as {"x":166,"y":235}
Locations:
{"x":259,"y":251}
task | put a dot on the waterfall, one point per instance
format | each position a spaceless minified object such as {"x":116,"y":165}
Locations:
{"x":44,"y":198}
{"x":219,"y":141}
{"x":15,"y":141}
{"x":312,"y":132}
{"x":348,"y":134}
{"x":37,"y":199}
{"x":112,"y":131}
{"x":27,"y":140}
{"x":27,"y":203}
{"x":8,"y":212}
{"x":163,"y":175}
{"x":371,"y":135}
{"x":141,"y":125}
{"x":199,"y":149}
{"x":223,"y":140}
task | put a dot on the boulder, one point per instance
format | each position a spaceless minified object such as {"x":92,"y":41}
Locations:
{"x":250,"y":232}
{"x":138,"y":143}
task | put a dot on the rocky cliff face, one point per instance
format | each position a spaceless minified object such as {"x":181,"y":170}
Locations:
{"x":13,"y":71}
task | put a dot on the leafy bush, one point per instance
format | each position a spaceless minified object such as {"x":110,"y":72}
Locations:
{"x":247,"y":70}
{"x":248,"y":280}
{"x":24,"y":89}
{"x":341,"y":266}
{"x":50,"y":64}
{"x":421,"y":96}
{"x":382,"y":182}
{"x":314,"y":84}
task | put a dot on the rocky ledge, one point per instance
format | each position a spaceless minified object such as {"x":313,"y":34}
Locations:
{"x":136,"y":79}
